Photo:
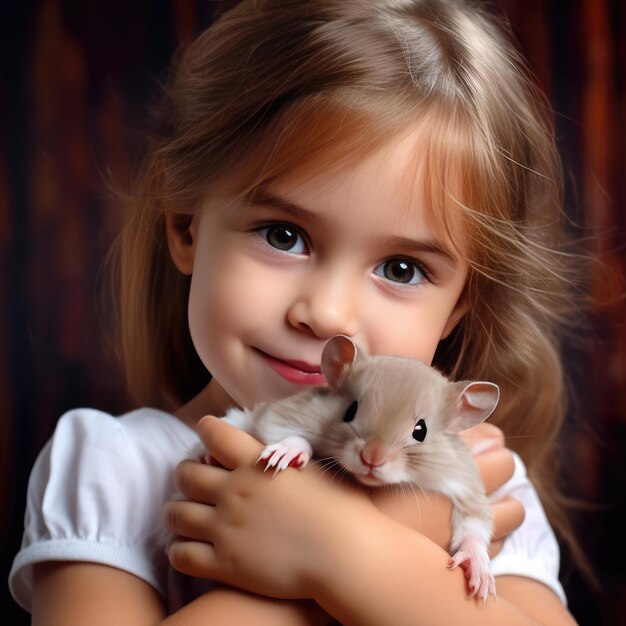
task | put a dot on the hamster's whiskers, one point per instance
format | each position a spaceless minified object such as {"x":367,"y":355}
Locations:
{"x":422,"y":461}
{"x":412,"y":487}
{"x":342,"y":473}
{"x":354,"y":430}
{"x":326,"y":459}
{"x":329,"y":463}
{"x":395,"y":441}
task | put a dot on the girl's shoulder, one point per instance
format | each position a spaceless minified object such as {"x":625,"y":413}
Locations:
{"x":110,"y":458}
{"x":95,"y":494}
{"x":140,"y":429}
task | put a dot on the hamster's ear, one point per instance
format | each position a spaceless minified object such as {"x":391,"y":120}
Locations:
{"x":474,"y":403}
{"x":338,"y":357}
{"x":181,"y":230}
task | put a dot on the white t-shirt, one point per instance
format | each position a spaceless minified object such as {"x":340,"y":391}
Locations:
{"x":96,"y":491}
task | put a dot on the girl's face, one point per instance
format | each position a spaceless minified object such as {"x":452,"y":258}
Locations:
{"x":305,"y":259}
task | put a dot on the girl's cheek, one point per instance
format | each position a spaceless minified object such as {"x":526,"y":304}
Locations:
{"x":412,"y":330}
{"x":233,"y":296}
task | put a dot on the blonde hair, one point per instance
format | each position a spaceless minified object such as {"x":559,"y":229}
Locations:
{"x":274,"y":86}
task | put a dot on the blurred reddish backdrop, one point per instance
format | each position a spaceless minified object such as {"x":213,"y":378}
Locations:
{"x":75,"y":82}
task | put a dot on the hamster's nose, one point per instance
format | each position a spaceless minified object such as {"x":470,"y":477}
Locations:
{"x":374,"y":453}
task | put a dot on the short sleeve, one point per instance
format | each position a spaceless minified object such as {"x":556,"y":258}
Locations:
{"x":532,"y":549}
{"x":93,"y":496}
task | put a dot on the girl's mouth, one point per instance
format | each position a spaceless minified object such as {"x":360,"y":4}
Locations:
{"x":295,"y":371}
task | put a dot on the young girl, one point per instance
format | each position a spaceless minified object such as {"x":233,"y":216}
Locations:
{"x":377,"y":168}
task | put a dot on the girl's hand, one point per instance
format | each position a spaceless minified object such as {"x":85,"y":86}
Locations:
{"x":495,"y":466}
{"x":273,"y":536}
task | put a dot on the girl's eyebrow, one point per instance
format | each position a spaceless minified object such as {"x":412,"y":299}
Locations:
{"x":264,"y":197}
{"x":261,"y":196}
{"x":420,"y":247}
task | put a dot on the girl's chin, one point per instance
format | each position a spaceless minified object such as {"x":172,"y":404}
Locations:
{"x":248,"y":401}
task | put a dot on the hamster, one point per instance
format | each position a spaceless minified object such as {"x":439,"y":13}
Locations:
{"x":387,"y":420}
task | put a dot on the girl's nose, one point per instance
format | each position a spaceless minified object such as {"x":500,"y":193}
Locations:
{"x":324,"y":311}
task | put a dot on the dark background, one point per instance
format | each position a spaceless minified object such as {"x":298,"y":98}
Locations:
{"x":76,"y":79}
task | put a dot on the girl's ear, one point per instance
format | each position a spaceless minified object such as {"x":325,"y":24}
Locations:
{"x":474,"y":403}
{"x":338,"y":357}
{"x":460,"y":309}
{"x":181,"y":230}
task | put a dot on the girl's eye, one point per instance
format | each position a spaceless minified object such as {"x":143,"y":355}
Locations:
{"x":284,"y":237}
{"x":419,"y":432}
{"x":402,"y":271}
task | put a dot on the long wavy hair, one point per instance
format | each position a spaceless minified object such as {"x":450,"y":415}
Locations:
{"x":275,"y":86}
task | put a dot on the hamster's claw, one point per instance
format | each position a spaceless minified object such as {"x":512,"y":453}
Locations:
{"x":473,"y":558}
{"x":290,"y":452}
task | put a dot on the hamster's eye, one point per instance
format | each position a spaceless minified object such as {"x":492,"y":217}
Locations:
{"x":419,"y":432}
{"x":351,"y":412}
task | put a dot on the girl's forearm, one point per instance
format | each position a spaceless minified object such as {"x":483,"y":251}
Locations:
{"x":227,"y":606}
{"x":385,"y":575}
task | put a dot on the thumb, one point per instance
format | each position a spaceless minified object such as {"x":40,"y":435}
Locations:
{"x":228,"y":445}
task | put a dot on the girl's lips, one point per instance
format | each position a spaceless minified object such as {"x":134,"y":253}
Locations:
{"x":295,"y":371}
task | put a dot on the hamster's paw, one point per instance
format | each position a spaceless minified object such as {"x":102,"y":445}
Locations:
{"x":290,"y":452}
{"x":199,"y":454}
{"x":473,"y":558}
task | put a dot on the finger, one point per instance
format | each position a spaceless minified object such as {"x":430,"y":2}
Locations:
{"x":495,"y":468}
{"x":230,"y":446}
{"x":194,"y":558}
{"x":189,"y":519}
{"x":483,"y":438}
{"x":487,"y":430}
{"x":495,"y":547}
{"x":508,"y":515}
{"x":199,"y":482}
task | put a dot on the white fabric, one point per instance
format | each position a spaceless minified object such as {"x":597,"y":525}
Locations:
{"x":531,"y":550}
{"x":97,"y":488}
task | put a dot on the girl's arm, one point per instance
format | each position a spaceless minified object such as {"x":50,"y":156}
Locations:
{"x":78,"y":593}
{"x":403,"y":580}
{"x":74,"y":594}
{"x":227,"y":606}
{"x":274,"y":537}
{"x":432,"y":519}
